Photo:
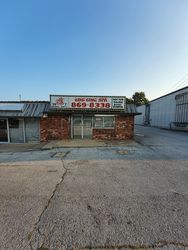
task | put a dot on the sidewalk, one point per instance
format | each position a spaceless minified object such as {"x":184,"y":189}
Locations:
{"x":25,"y":147}
{"x":87,"y":143}
{"x":20,"y":147}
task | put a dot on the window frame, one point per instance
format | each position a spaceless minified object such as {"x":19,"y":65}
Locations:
{"x":103,"y":122}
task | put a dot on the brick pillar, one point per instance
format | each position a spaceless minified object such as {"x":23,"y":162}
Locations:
{"x":124,"y":127}
{"x":55,"y":128}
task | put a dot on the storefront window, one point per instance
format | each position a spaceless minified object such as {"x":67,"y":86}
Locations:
{"x":104,"y":122}
{"x":99,"y":122}
{"x":13,"y":123}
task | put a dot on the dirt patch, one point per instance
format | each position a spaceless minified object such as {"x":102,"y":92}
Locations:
{"x":123,"y":152}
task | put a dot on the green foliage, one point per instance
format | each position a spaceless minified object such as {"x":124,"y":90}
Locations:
{"x":129,"y":100}
{"x":138,"y":98}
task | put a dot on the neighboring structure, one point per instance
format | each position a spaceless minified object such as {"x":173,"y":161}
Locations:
{"x":93,"y":117}
{"x":168,"y":111}
{"x":20,"y":121}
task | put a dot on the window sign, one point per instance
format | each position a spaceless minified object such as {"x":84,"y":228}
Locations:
{"x":87,"y":102}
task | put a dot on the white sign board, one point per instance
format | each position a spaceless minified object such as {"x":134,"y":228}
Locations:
{"x":87,"y":102}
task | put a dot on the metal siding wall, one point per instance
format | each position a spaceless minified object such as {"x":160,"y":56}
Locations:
{"x":32,"y":130}
{"x":162,"y":112}
{"x":186,"y":108}
{"x":16,"y":134}
{"x":140,"y":119}
{"x":182,"y":108}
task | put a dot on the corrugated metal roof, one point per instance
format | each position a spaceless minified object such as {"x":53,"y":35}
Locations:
{"x":169,"y":94}
{"x":11,"y":106}
{"x":30,"y":109}
{"x":131,"y":109}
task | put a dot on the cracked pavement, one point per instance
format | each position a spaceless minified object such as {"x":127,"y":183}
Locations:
{"x":133,"y":197}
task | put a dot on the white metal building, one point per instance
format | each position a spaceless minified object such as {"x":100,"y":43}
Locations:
{"x":168,"y":111}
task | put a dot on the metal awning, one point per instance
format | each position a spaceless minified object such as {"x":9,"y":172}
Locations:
{"x":29,"y":109}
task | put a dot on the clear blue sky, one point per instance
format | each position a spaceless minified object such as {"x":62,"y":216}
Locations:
{"x":97,"y":47}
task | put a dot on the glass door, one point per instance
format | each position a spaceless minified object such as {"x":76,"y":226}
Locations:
{"x":3,"y":130}
{"x":87,"y":127}
{"x":77,"y":127}
{"x":82,"y":127}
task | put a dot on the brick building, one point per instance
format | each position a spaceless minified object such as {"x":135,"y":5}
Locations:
{"x":67,"y":117}
{"x":87,"y":117}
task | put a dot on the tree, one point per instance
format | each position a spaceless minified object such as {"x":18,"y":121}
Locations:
{"x":139,"y":98}
{"x":129,"y":100}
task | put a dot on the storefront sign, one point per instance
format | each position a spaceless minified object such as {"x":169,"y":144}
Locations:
{"x":87,"y":102}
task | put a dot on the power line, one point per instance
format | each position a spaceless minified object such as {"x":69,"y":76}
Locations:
{"x":178,"y":84}
{"x":183,"y":84}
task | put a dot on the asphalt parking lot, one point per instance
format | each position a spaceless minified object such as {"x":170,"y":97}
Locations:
{"x":118,"y":197}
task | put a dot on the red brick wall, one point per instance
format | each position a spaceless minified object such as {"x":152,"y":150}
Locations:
{"x":124,"y":129}
{"x":103,"y":133}
{"x":55,"y":128}
{"x":59,"y":127}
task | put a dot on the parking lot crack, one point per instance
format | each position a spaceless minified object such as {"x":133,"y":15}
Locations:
{"x":94,"y":213}
{"x":180,"y":194}
{"x":36,"y":225}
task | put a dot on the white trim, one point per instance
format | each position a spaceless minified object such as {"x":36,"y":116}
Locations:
{"x":71,"y":124}
{"x":8,"y":131}
{"x":24,"y":133}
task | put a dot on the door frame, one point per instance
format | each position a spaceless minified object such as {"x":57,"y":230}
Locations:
{"x":8,"y":131}
{"x":82,"y":125}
